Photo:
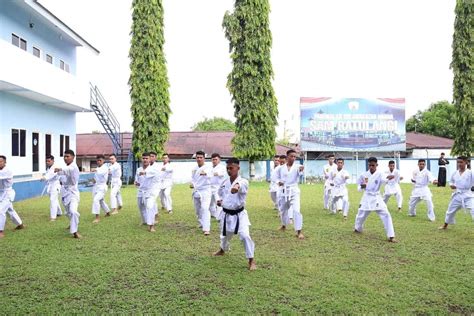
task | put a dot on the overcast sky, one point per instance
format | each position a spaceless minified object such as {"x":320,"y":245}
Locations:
{"x":344,"y":48}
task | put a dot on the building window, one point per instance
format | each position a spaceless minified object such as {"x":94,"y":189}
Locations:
{"x":67,"y":68}
{"x":63,"y":144}
{"x":66,"y":142}
{"x":19,"y":142}
{"x":49,"y":58}
{"x":64,"y":66}
{"x":37,"y":52}
{"x":47,"y":141}
{"x":19,"y":42}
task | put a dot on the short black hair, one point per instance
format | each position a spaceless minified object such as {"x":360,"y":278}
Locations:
{"x":200,"y":153}
{"x":146,"y":154}
{"x":276,"y":156}
{"x":50,"y":157}
{"x":421,"y":160}
{"x":153,"y":153}
{"x":282,"y":156}
{"x":164,"y":154}
{"x":3,"y":157}
{"x":100,"y":157}
{"x":216,"y":155}
{"x":290,"y":152}
{"x":464,"y":158}
{"x":330,"y":156}
{"x":69,"y":152}
{"x":112,"y":155}
{"x":233,"y":161}
{"x":391,"y":162}
{"x":372,"y":159}
{"x":340,"y":159}
{"x":442,"y":153}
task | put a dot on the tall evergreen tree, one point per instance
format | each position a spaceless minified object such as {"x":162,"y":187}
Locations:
{"x":463,"y":68}
{"x":255,"y":104}
{"x":148,"y":79}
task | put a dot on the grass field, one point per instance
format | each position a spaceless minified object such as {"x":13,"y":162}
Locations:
{"x":118,"y":267}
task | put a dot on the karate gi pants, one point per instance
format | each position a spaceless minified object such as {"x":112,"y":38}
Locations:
{"x":202,"y":202}
{"x":73,"y":214}
{"x":384,"y":215}
{"x":340,"y":203}
{"x":214,"y":209}
{"x":6,"y":206}
{"x":54,"y":207}
{"x":327,"y":197}
{"x":414,"y":200}
{"x":115,"y":196}
{"x":147,"y":207}
{"x":243,"y":232}
{"x":398,"y":197}
{"x":273,"y":196}
{"x":98,"y":201}
{"x":457,"y":203}
{"x":291,"y":204}
{"x":165,"y":198}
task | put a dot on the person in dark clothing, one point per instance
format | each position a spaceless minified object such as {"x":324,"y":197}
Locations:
{"x":442,"y":162}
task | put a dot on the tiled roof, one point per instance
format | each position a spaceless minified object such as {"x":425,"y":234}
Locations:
{"x":417,"y":140}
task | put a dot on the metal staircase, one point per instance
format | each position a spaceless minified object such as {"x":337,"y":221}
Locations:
{"x":106,"y":118}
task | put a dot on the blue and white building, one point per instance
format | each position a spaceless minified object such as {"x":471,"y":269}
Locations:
{"x":40,"y":93}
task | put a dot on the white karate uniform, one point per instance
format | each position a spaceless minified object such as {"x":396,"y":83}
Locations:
{"x":100,"y":188}
{"x":53,"y":187}
{"x":166,"y":183}
{"x":372,"y":202}
{"x":462,"y":197}
{"x":327,"y":174}
{"x":146,"y":194}
{"x":421,"y":191}
{"x":393,"y":187}
{"x":202,"y":195}
{"x":290,"y":196}
{"x":234,"y":202}
{"x":274,"y":188}
{"x":340,"y":195}
{"x":7,"y":196}
{"x":115,"y":184}
{"x":70,"y":195}
{"x":219,"y":173}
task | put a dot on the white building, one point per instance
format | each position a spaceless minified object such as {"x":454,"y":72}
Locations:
{"x":39,"y":91}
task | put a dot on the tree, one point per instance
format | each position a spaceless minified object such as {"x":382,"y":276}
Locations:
{"x":148,"y":79}
{"x":437,"y":120}
{"x":463,"y":83}
{"x":214,"y":124}
{"x":255,"y":104}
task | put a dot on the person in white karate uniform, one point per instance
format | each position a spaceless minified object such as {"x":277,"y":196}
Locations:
{"x":273,"y":189}
{"x":421,"y":178}
{"x":288,"y":177}
{"x":154,"y":164}
{"x":371,"y":182}
{"x":70,"y":191}
{"x":201,"y":185}
{"x":100,"y":188}
{"x":7,"y":196}
{"x":166,"y":184}
{"x":218,"y":175}
{"x":340,"y":195}
{"x":392,"y":188}
{"x":115,"y":170}
{"x":462,"y":184}
{"x":146,"y":180}
{"x":53,"y":187}
{"x":279,"y":194}
{"x":328,"y":170}
{"x":234,"y":218}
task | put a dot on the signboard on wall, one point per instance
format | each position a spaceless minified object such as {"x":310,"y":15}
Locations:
{"x":352,"y":124}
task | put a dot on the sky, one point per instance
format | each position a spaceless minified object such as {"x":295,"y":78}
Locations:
{"x":339,"y":48}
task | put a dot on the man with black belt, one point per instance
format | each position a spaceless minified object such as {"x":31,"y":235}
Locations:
{"x":234,"y":218}
{"x":442,"y":162}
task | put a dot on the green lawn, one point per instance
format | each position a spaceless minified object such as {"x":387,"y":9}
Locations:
{"x":118,"y":267}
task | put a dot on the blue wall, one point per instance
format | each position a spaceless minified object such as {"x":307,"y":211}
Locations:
{"x":33,"y":188}
{"x":15,"y":17}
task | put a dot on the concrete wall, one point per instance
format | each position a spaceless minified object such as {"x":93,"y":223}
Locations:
{"x":20,"y":113}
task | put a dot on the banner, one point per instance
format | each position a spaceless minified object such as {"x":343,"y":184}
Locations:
{"x":352,"y":124}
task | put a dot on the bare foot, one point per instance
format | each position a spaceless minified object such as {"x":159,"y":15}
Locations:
{"x":300,"y":236}
{"x":95,"y":221}
{"x":282,"y":228}
{"x":21,"y":226}
{"x":76,"y":235}
{"x":107,"y":214}
{"x":119,"y":207}
{"x":219,"y":253}
{"x":392,"y":239}
{"x":52,"y":219}
{"x":357,"y":232}
{"x":2,"y":234}
{"x":152,"y":229}
{"x":170,"y":212}
{"x":399,"y":209}
{"x":207,"y":233}
{"x":345,"y":218}
{"x":445,"y":226}
{"x":252,"y":265}
{"x":114,"y":212}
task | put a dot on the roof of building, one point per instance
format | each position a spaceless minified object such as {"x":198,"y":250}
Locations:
{"x":422,"y":141}
{"x":49,"y":17}
{"x":179,"y":144}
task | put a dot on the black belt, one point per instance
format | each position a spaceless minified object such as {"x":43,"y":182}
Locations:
{"x":231,"y":212}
